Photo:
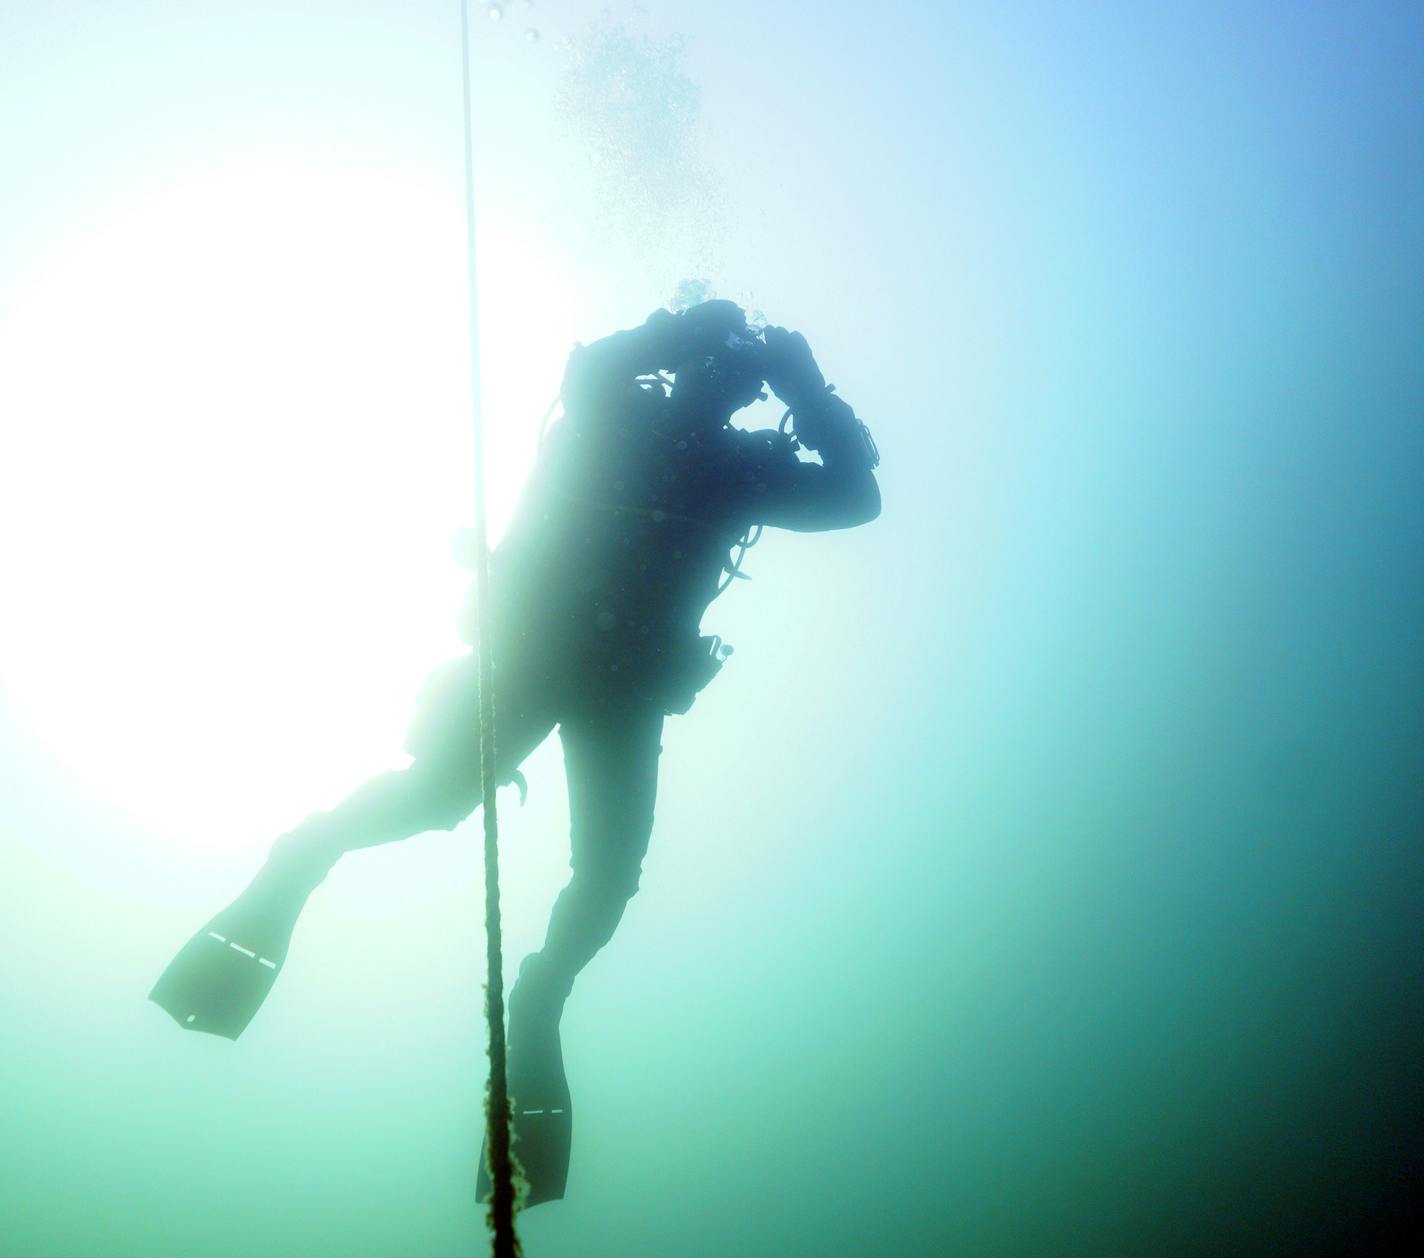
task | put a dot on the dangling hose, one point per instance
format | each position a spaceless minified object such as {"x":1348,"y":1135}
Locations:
{"x":497,"y":1112}
{"x":733,"y":568}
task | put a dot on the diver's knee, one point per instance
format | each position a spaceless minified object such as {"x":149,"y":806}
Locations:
{"x":445,"y":800}
{"x":610,"y":881}
{"x":447,"y":812}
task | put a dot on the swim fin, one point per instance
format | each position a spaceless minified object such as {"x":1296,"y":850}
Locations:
{"x":221,"y":976}
{"x":538,"y":1087}
{"x":543,"y":1118}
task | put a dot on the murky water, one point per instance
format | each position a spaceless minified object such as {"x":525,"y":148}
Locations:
{"x":1041,"y":874}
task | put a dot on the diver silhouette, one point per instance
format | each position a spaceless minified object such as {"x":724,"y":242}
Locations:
{"x":620,"y":540}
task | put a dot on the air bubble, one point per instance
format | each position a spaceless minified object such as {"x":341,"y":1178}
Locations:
{"x":495,"y":13}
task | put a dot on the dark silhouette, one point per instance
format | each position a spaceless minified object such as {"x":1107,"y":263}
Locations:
{"x":619,"y":542}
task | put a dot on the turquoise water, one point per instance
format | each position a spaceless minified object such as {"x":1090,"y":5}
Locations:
{"x":1041,"y":876}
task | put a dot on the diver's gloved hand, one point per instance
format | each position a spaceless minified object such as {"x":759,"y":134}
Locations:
{"x":791,"y":369}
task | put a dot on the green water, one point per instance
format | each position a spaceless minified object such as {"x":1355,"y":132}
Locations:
{"x":1040,"y":877}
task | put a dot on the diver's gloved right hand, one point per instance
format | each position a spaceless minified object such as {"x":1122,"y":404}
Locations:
{"x":791,"y":368}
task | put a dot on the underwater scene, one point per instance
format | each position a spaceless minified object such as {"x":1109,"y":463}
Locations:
{"x":901,"y":529}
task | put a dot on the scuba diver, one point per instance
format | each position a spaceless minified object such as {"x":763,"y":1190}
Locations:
{"x":620,"y":540}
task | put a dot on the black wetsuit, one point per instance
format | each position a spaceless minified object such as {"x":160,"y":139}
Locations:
{"x":615,"y":549}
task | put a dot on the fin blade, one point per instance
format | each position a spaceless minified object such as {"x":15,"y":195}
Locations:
{"x":214,"y":986}
{"x":543,"y":1122}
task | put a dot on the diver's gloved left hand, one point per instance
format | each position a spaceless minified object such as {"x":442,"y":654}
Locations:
{"x":791,"y":368}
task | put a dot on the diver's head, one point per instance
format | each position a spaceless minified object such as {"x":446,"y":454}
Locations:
{"x":718,"y":380}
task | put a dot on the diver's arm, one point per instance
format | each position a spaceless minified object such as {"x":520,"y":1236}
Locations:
{"x":840,"y":492}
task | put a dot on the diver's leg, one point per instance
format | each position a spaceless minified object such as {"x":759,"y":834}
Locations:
{"x":220,"y":978}
{"x":612,"y":764}
{"x":442,"y":785}
{"x":611,"y":759}
{"x":431,"y":794}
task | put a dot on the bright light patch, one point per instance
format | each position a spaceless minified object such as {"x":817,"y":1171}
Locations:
{"x":237,"y":445}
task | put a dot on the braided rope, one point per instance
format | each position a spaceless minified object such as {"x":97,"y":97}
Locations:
{"x":502,"y":1167}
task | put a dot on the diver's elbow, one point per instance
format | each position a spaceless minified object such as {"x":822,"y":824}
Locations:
{"x":852,"y":513}
{"x":867,"y":504}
